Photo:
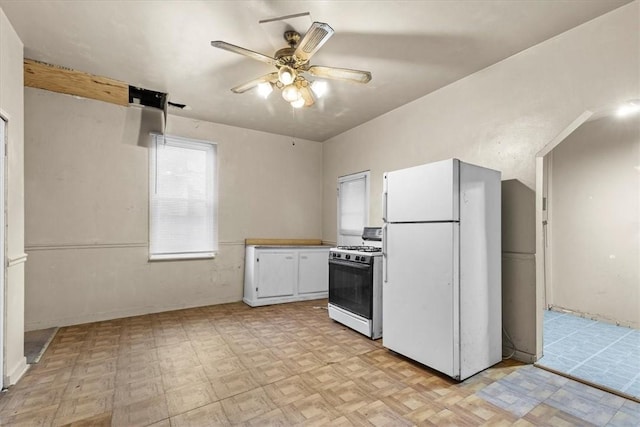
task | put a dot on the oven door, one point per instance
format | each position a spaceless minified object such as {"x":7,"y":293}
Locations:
{"x":351,"y":286}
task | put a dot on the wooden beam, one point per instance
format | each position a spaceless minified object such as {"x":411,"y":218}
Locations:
{"x":65,"y":80}
{"x":283,"y":242}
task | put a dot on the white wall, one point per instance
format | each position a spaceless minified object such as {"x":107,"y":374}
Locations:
{"x":87,"y":209}
{"x":594,"y":221}
{"x":11,"y":106}
{"x":499,"y":117}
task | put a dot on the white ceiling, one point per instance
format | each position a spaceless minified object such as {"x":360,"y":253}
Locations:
{"x":411,"y":48}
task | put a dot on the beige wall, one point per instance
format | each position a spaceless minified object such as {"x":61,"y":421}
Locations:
{"x":11,"y":106}
{"x":594,"y":221}
{"x":499,"y":117}
{"x":87,"y":209}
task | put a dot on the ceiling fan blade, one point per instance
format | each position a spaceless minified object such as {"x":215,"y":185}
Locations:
{"x":242,"y":51}
{"x":271,"y":77}
{"x":316,"y":36}
{"x":340,"y":74}
{"x":305,"y":91}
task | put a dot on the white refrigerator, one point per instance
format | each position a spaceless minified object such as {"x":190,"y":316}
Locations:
{"x":442,"y":266}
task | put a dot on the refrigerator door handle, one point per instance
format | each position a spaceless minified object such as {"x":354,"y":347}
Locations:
{"x":384,"y":207}
{"x":384,"y":197}
{"x":384,"y":252}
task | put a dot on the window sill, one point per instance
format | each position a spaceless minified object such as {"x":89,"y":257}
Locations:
{"x":182,"y":257}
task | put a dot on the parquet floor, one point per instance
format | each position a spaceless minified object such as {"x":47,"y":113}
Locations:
{"x":235,"y":365}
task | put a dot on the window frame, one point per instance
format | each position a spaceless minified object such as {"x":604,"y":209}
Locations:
{"x":188,"y":143}
{"x":365,"y":176}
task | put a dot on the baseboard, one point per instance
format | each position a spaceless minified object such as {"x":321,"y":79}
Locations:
{"x":17,"y":372}
{"x":522,"y":356}
{"x":119,"y":314}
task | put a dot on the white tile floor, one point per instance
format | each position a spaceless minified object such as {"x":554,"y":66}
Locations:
{"x":594,"y":351}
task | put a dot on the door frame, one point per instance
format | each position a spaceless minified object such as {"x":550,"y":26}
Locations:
{"x":4,"y":134}
{"x":543,"y":280}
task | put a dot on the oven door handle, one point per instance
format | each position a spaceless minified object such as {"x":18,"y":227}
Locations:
{"x":350,"y":264}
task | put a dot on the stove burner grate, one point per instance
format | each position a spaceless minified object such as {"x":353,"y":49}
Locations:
{"x":361,"y":248}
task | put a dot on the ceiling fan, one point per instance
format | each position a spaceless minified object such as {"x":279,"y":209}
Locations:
{"x":291,"y":62}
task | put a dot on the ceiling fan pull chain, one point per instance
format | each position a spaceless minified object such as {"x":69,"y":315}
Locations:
{"x":293,"y":120}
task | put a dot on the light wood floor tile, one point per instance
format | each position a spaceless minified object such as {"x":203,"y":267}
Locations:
{"x":141,"y":413}
{"x":208,"y":415}
{"x":135,"y":357}
{"x":302,"y":363}
{"x":223,"y":367}
{"x":83,"y":407}
{"x":322,"y":378}
{"x":347,"y":397}
{"x":102,"y":420}
{"x":377,"y":414}
{"x":231,"y":364}
{"x":126,"y":394}
{"x":95,"y":368}
{"x":179,"y":363}
{"x":189,"y":397}
{"x":276,"y":339}
{"x":288,"y":390}
{"x":33,"y":399}
{"x":83,"y":386}
{"x":273,"y":418}
{"x":214,"y":353}
{"x":232,"y":384}
{"x":42,"y":417}
{"x":270,"y":372}
{"x":245,"y":406}
{"x":257,"y":358}
{"x":181,"y":378}
{"x":137,"y":345}
{"x":313,"y":409}
{"x":138,"y":372}
{"x":36,"y":378}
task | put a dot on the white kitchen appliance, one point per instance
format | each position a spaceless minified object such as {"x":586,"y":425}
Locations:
{"x":355,"y":284}
{"x":442,"y":266}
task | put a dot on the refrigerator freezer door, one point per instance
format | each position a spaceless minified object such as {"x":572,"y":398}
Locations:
{"x":423,"y":193}
{"x":420,"y":297}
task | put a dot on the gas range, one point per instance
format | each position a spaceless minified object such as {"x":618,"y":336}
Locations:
{"x":355,"y":284}
{"x":360,"y":248}
{"x":362,"y":254}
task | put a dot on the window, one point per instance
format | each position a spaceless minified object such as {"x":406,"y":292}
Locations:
{"x":182,"y":198}
{"x":353,"y":204}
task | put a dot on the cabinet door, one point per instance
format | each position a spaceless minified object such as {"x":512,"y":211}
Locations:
{"x":276,"y":273}
{"x":313,"y":272}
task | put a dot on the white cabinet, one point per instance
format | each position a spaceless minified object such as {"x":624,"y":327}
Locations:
{"x":313,"y":271}
{"x":276,"y":275}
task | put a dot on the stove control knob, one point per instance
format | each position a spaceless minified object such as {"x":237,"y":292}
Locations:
{"x":363,"y":258}
{"x":347,"y":257}
{"x":338,"y":255}
{"x":357,"y":258}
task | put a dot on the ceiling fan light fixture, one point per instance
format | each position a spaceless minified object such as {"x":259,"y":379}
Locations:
{"x":265,"y":89}
{"x":297,"y":103}
{"x":628,"y":108}
{"x":286,"y":75}
{"x":319,"y":88}
{"x":290,"y":93}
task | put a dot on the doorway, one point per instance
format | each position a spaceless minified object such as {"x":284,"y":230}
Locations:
{"x":3,"y":133}
{"x":588,"y":221}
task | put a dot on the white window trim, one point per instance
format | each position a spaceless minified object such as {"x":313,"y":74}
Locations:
{"x":152,"y":152}
{"x":353,"y":177}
